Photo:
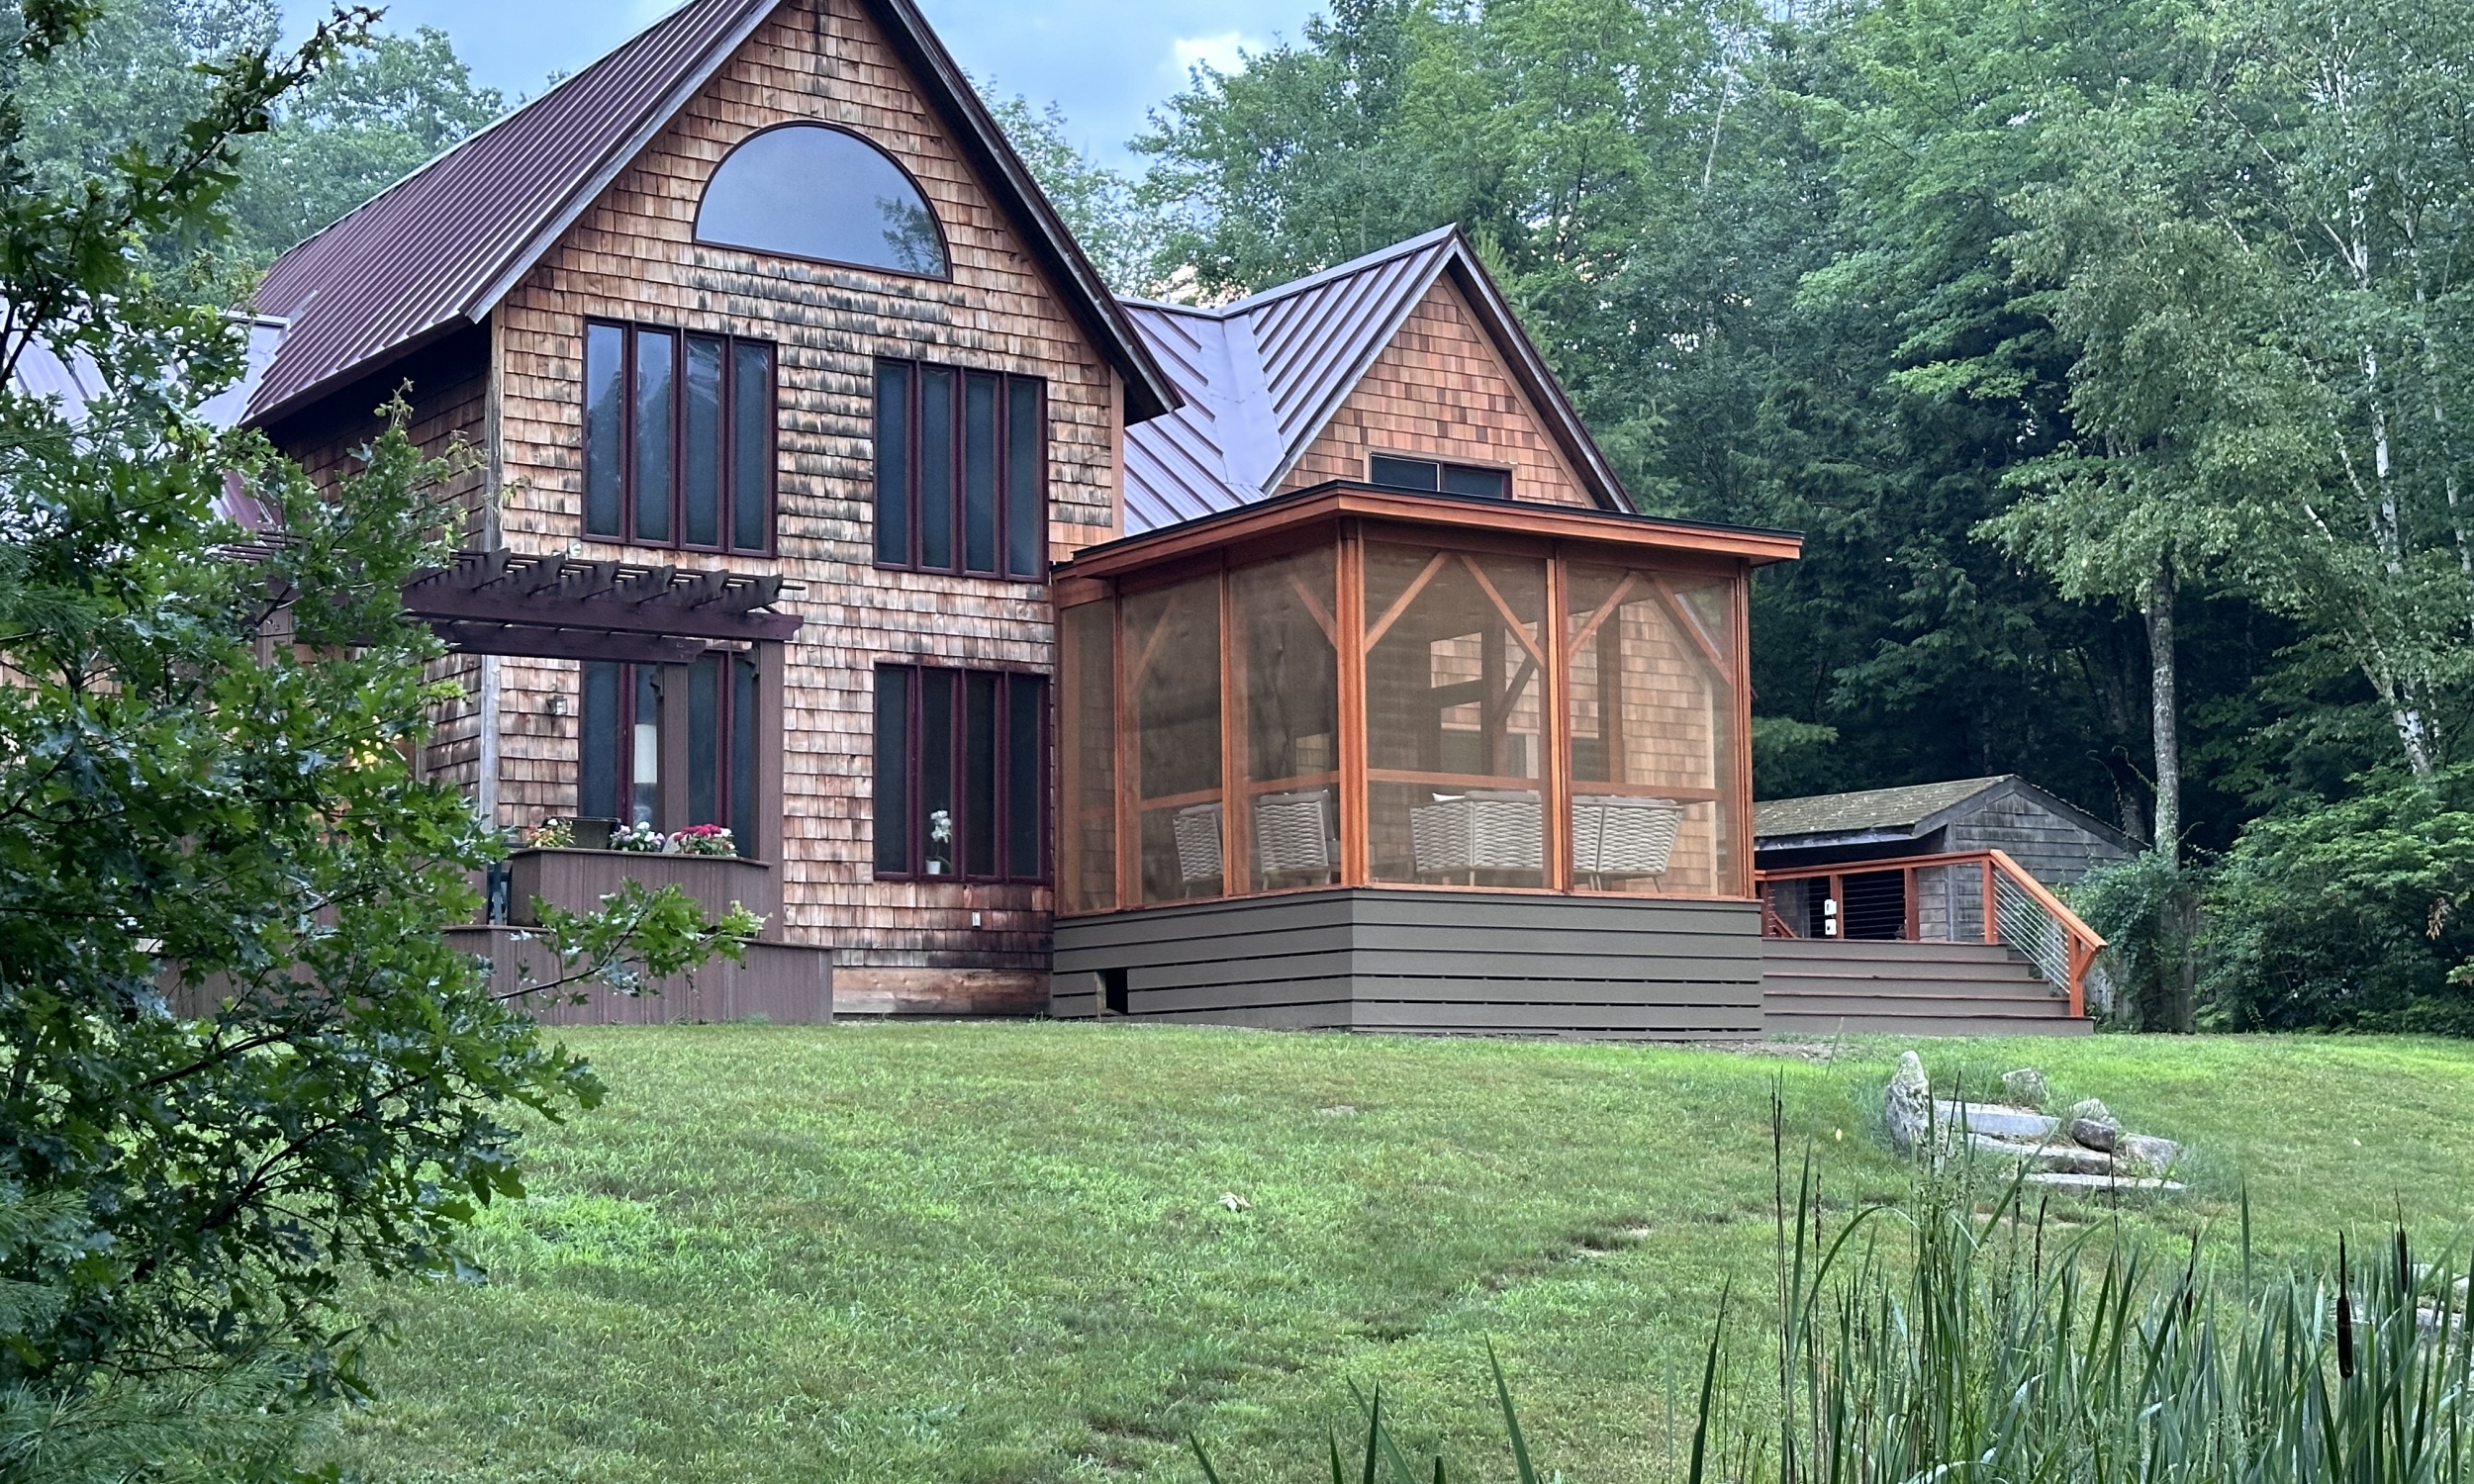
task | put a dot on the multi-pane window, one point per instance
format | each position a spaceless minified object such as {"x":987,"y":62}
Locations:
{"x":1431,"y":474}
{"x":961,"y":471}
{"x":961,"y":774}
{"x":677,"y":438}
{"x":707,"y":709}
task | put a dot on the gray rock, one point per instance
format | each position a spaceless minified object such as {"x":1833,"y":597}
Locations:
{"x":2024,"y":1088}
{"x":1993,"y":1118}
{"x":2098,"y":1184}
{"x":2147,"y":1150}
{"x":2091,"y":1109}
{"x":1906,"y":1104}
{"x":2048,"y":1156}
{"x":2095,"y":1134}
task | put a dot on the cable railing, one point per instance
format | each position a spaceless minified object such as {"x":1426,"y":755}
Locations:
{"x":1963,"y":897}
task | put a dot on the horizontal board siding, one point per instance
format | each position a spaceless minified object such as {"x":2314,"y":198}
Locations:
{"x":1444,"y":963}
{"x":786,"y":983}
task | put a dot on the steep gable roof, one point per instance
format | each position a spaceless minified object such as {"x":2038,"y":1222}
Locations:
{"x":1260,"y":378}
{"x":438,"y":249}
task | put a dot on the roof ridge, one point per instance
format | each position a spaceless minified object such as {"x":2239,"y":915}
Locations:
{"x":1365,"y":262}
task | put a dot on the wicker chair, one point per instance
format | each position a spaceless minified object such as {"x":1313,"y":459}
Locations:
{"x":1197,"y":842}
{"x":1461,"y":834}
{"x":1294,"y":834}
{"x":1619,"y":837}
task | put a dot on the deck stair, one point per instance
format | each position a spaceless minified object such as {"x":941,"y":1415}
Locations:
{"x":1820,"y":986}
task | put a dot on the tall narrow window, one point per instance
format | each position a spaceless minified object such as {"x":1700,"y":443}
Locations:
{"x":979,"y":473}
{"x":656,"y":421}
{"x":604,"y":429}
{"x":701,"y":452}
{"x":893,"y":463}
{"x":961,"y":471}
{"x":894,"y":685}
{"x":961,"y":774}
{"x":721,"y":745}
{"x":618,"y":773}
{"x":1025,"y":460}
{"x":932,"y":496}
{"x":751,"y":445}
{"x":677,"y":438}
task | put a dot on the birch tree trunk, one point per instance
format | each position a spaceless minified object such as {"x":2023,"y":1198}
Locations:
{"x":2163,"y":715}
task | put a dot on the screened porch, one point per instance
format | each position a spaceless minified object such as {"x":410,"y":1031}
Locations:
{"x":1356,"y":687}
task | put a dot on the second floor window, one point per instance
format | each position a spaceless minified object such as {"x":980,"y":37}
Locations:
{"x":961,"y":471}
{"x":677,"y":438}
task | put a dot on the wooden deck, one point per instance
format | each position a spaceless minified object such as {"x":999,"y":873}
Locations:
{"x":1823,"y":987}
{"x":782,"y":983}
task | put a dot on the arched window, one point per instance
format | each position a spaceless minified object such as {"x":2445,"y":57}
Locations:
{"x":809,"y":190}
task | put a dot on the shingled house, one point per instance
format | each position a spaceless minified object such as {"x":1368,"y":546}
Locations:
{"x":803,"y":430}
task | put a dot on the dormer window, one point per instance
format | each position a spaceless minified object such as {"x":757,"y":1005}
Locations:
{"x":813,"y":191}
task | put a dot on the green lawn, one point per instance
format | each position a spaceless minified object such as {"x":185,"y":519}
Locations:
{"x":1001,"y":1250}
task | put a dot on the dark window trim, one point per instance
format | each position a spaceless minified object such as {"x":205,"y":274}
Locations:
{"x":725,"y":454}
{"x":956,"y":483}
{"x":915,"y":867}
{"x":944,"y":243}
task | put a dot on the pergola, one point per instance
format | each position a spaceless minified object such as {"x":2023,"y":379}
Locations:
{"x":1362,"y":686}
{"x":503,"y":603}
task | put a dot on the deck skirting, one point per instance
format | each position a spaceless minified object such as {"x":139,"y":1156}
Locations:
{"x":1437,"y":963}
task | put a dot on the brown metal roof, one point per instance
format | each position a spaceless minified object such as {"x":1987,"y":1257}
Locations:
{"x":1263,"y":376}
{"x":442,"y":247}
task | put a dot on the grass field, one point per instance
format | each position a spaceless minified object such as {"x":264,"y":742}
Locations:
{"x":1003,"y":1252}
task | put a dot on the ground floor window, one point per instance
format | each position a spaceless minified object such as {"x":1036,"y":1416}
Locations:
{"x":636,"y":715}
{"x":961,"y":774}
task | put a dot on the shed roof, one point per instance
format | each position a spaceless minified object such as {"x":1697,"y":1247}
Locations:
{"x":1260,"y":378}
{"x":1882,"y":814}
{"x":442,"y":247}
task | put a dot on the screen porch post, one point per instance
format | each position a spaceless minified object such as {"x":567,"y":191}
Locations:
{"x":1349,"y":599}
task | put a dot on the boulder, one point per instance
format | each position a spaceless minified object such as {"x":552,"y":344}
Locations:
{"x":2046,"y":1157}
{"x":1994,"y":1118}
{"x":2147,"y":1150}
{"x":1907,"y":1103}
{"x":2024,"y":1088}
{"x":2091,"y":1109}
{"x":2095,"y":1134}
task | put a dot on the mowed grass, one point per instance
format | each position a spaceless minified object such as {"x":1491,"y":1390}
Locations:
{"x":1004,"y":1252}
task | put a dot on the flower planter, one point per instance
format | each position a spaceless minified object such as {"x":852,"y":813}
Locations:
{"x":578,"y":879}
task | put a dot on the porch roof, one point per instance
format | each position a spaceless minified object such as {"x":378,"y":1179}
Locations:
{"x":1338,"y":498}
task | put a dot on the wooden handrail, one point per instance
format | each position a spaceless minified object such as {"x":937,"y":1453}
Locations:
{"x":2083,"y":941}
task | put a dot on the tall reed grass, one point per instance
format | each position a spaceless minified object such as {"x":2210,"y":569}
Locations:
{"x":1963,"y":1336}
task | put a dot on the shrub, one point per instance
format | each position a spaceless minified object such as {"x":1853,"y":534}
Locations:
{"x":2348,"y":913}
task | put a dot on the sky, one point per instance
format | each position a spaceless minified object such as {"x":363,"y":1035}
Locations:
{"x":1105,"y":62}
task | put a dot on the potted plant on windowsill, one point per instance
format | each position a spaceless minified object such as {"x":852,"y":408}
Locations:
{"x":704,"y":840}
{"x":940,"y":843}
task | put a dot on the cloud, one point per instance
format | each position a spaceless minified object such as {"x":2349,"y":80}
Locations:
{"x":1224,"y":53}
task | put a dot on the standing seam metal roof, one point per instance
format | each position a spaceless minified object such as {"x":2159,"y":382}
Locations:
{"x":1260,"y":378}
{"x":440,"y":247}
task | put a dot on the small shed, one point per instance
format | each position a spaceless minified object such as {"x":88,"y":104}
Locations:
{"x":2056,"y":842}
